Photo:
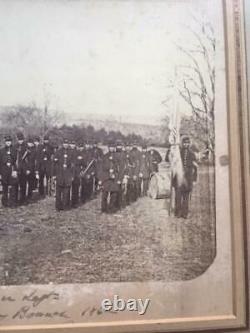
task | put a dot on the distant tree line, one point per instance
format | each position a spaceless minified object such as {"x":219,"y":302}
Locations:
{"x":34,"y":121}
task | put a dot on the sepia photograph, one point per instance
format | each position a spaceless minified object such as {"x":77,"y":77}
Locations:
{"x":115,"y":161}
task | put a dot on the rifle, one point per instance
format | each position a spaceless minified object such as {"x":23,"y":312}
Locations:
{"x":83,"y":173}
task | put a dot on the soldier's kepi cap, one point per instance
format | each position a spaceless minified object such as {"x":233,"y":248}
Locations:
{"x":30,"y":139}
{"x":20,"y":136}
{"x":111,"y":143}
{"x":144,"y":146}
{"x":37,"y":138}
{"x":7,"y":138}
{"x":185,"y":139}
{"x":119,"y":143}
{"x":46,"y":137}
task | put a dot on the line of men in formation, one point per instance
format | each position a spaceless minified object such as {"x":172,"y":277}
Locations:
{"x":77,"y":170}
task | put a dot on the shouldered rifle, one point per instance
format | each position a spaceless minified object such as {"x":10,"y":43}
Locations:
{"x":83,"y":173}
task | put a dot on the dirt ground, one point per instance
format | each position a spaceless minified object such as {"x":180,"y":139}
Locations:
{"x":39,"y":245}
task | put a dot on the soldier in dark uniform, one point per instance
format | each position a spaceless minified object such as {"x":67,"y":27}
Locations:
{"x":79,"y":166}
{"x":129,"y":172}
{"x":8,"y":173}
{"x":154,"y":160}
{"x":144,"y":171}
{"x":45,"y":165}
{"x":27,"y":166}
{"x":135,"y":157}
{"x":183,"y":190}
{"x":98,"y":156}
{"x":63,"y":172}
{"x":37,"y":148}
{"x":21,"y":148}
{"x":121,"y":159}
{"x":110,"y":181}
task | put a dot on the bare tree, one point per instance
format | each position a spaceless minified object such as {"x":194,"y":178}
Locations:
{"x":196,"y":79}
{"x":29,"y":119}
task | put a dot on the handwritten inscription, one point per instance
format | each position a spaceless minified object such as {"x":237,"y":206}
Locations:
{"x":7,"y":299}
{"x":26,"y":313}
{"x":30,"y":311}
{"x":37,"y":300}
{"x":30,"y":308}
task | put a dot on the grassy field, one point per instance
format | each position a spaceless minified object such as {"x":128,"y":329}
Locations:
{"x":40,"y":245}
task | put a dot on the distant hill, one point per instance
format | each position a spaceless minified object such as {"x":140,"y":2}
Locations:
{"x":153,"y":133}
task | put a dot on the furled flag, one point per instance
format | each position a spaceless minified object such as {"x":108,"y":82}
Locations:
{"x":174,"y":140}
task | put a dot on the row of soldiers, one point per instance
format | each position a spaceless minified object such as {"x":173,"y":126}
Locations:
{"x":24,"y":166}
{"x":122,"y":174}
{"x":77,"y":170}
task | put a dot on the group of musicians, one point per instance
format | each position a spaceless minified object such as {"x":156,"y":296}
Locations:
{"x":77,"y":170}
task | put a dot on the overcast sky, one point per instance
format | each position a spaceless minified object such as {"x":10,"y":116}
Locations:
{"x":98,"y":58}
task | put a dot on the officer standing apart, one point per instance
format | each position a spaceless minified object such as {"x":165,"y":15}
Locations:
{"x":184,"y":189}
{"x":8,"y":173}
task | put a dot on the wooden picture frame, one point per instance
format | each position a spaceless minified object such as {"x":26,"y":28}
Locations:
{"x":83,"y":301}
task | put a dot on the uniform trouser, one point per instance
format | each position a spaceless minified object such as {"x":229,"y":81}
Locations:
{"x":119,"y":198}
{"x":9,"y":196}
{"x":30,"y":179}
{"x":133,"y":193}
{"x":87,"y":189}
{"x":62,"y":197}
{"x":128,"y":193}
{"x":42,"y":189}
{"x":75,"y":191}
{"x":109,"y":204}
{"x":181,"y":202}
{"x":26,"y":186}
{"x":143,"y":186}
{"x":22,"y":183}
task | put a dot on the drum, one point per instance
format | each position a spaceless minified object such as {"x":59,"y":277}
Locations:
{"x":159,"y":185}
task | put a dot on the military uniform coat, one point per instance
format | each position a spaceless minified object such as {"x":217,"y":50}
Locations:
{"x":144,"y":165}
{"x":8,"y":157}
{"x":63,"y":167}
{"x":44,"y":158}
{"x":110,"y":173}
